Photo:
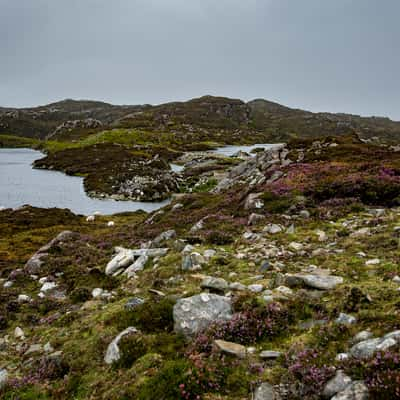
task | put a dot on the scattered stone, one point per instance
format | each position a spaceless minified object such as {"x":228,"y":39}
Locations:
{"x":97,"y":292}
{"x":374,"y":261}
{"x":396,"y":279}
{"x":355,"y":391}
{"x":48,"y":348}
{"x":110,"y":224}
{"x":296,"y":246}
{"x":217,"y":284}
{"x":345,"y":319}
{"x":265,"y":392}
{"x":163,"y":237}
{"x":284,"y":290}
{"x":113,"y":352}
{"x":342,"y":357}
{"x":255,"y":218}
{"x":304,"y":214}
{"x":23,"y":298}
{"x":367,"y":348}
{"x":270,"y":354}
{"x":315,"y":281}
{"x":255,"y":288}
{"x":193,"y":314}
{"x":8,"y":284}
{"x":322,"y":236}
{"x":265,"y":266}
{"x":231,"y":348}
{"x":361,"y":233}
{"x":273,"y":229}
{"x":19,"y":333}
{"x":133,"y":303}
{"x":48,"y":286}
{"x":337,"y":384}
{"x":209,"y":253}
{"x":34,"y":348}
{"x":361,"y":336}
{"x":290,"y":230}
{"x":3,"y":378}
{"x":253,"y":201}
{"x":237,"y":286}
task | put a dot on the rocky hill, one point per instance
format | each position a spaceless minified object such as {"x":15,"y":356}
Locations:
{"x":208,"y":117}
{"x":278,"y":281}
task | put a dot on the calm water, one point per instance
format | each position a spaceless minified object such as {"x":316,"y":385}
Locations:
{"x":21,"y":184}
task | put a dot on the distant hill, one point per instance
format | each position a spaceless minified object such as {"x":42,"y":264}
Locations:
{"x":206,"y":114}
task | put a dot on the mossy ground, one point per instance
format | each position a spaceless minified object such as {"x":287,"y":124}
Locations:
{"x":158,"y":362}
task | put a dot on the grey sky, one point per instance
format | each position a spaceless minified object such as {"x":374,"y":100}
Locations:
{"x":322,"y":55}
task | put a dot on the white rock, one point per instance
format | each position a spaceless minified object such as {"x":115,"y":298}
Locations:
{"x":374,"y":261}
{"x":296,"y":246}
{"x":110,"y":223}
{"x":19,"y":333}
{"x":256,"y":288}
{"x":97,"y":292}
{"x":113,"y":352}
{"x":47,"y":286}
{"x":23,"y":298}
{"x":3,"y":378}
{"x":90,"y":218}
{"x":8,"y":284}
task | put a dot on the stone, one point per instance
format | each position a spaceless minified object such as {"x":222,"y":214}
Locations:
{"x":315,"y":281}
{"x":345,"y":319}
{"x":374,"y":261}
{"x":361,"y":336}
{"x":137,"y":266}
{"x":355,"y":391}
{"x":192,"y":261}
{"x":270,"y":354}
{"x":253,"y":201}
{"x":97,"y":292}
{"x":3,"y":378}
{"x":304,"y":214}
{"x":133,"y":303}
{"x":290,"y":230}
{"x":209,"y":253}
{"x":23,"y":298}
{"x":265,"y":266}
{"x":255,"y":218}
{"x":296,"y":246}
{"x":34,"y":348}
{"x":237,"y":286}
{"x":19,"y":333}
{"x":113,"y":351}
{"x":213,"y":283}
{"x":231,"y":348}
{"x":265,"y":392}
{"x":284,"y":290}
{"x":337,"y":384}
{"x":123,"y":259}
{"x":48,"y":348}
{"x":255,"y":288}
{"x":366,"y":348}
{"x":322,"y":236}
{"x":163,"y":237}
{"x":48,"y":286}
{"x":342,"y":357}
{"x":273,"y":229}
{"x":110,"y":224}
{"x":194,"y":314}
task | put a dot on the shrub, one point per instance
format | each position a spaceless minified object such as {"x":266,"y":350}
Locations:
{"x":80,"y":295}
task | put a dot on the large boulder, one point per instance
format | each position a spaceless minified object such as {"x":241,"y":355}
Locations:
{"x":337,"y":384}
{"x":355,"y":391}
{"x":196,"y":313}
{"x":367,"y":348}
{"x":34,"y":264}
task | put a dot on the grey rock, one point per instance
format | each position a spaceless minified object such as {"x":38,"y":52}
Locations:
{"x":265,"y":266}
{"x":194,"y":314}
{"x":321,"y":282}
{"x":237,"y":286}
{"x":192,"y":261}
{"x":273,"y":229}
{"x":255,"y":218}
{"x":213,"y":283}
{"x":253,"y":201}
{"x":34,"y":348}
{"x":234,"y":349}
{"x":361,"y":336}
{"x":270,"y":354}
{"x":3,"y":378}
{"x":255,"y":288}
{"x":345,"y":319}
{"x":163,"y":237}
{"x":265,"y":392}
{"x":113,"y":351}
{"x":133,"y":303}
{"x":355,"y":391}
{"x":337,"y":384}
{"x":304,"y":214}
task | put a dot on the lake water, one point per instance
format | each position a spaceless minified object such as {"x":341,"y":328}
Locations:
{"x":21,"y":184}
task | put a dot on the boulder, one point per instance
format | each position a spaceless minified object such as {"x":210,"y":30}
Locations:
{"x":196,"y":313}
{"x":231,"y":348}
{"x":355,"y":391}
{"x":337,"y":384}
{"x":367,"y":348}
{"x":212,"y":283}
{"x":113,"y":352}
{"x":265,"y":392}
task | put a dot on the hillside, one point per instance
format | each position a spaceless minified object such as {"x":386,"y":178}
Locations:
{"x":207,"y":116}
{"x":281,"y":282}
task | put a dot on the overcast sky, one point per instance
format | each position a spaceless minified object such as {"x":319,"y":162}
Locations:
{"x":321,"y":55}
